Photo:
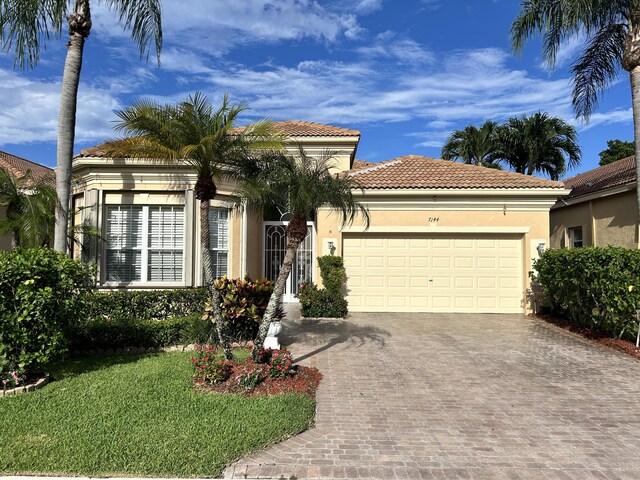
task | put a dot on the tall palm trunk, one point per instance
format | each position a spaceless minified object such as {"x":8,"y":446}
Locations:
{"x":79,"y":29}
{"x":631,"y":63}
{"x":296,"y":233}
{"x":209,"y":278}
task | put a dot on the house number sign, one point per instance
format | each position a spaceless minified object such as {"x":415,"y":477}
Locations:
{"x":433,"y":219}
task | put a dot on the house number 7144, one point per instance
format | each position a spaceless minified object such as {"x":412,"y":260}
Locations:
{"x":433,"y":219}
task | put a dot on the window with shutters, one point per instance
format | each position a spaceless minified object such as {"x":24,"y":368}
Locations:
{"x":144,"y":243}
{"x":219,"y":228}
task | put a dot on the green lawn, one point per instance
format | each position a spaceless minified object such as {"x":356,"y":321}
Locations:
{"x":137,"y":415}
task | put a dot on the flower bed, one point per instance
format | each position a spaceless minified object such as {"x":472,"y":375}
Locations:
{"x":275,"y":375}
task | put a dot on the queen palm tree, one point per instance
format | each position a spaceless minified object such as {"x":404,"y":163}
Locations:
{"x":538,"y":143}
{"x":26,"y":25}
{"x":473,"y":145}
{"x":612,"y":29}
{"x":192,"y":132}
{"x":298,"y":185}
{"x":30,"y":206}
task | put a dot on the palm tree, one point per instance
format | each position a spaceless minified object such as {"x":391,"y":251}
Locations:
{"x":538,"y":144}
{"x":25,"y":24}
{"x":613,"y":41}
{"x":473,"y":145}
{"x":192,"y":132}
{"x":30,"y":209}
{"x":298,"y":185}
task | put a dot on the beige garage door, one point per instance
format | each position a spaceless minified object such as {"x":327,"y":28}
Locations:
{"x":428,"y":273}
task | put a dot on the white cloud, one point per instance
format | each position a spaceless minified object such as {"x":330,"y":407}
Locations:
{"x":404,"y":50}
{"x":30,"y":110}
{"x":217,"y":27}
{"x":606,"y":118}
{"x":368,"y":6}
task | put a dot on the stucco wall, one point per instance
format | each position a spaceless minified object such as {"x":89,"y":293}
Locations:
{"x":615,"y":220}
{"x":608,"y":220}
{"x":560,"y":219}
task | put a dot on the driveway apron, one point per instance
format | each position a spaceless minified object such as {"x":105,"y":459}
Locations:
{"x":458,"y":396}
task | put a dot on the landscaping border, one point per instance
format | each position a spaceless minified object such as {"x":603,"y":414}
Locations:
{"x":31,"y":387}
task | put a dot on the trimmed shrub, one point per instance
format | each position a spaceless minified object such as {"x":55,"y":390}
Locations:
{"x":40,"y":292}
{"x":315,"y":302}
{"x":103,"y":334}
{"x":243,"y":303}
{"x":127,"y":305}
{"x":333,"y":274}
{"x":594,"y":287}
{"x":327,"y":302}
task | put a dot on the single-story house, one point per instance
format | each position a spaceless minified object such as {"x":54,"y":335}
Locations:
{"x":601,"y":209}
{"x":443,"y":237}
{"x":19,"y":167}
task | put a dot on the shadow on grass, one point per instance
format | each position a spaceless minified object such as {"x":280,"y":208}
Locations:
{"x":73,"y":367}
{"x":329,"y":333}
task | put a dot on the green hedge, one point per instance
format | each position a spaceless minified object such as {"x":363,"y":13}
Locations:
{"x":328,"y":302}
{"x":127,"y":305}
{"x":594,"y":287}
{"x":103,"y":334}
{"x":41,"y":291}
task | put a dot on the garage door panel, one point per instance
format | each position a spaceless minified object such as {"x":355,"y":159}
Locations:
{"x":425,"y":272}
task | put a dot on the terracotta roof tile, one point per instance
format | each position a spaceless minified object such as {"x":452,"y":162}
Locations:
{"x":615,"y":174}
{"x":360,"y":164}
{"x":415,"y":171}
{"x":18,"y":167}
{"x":296,"y":128}
{"x":288,"y":128}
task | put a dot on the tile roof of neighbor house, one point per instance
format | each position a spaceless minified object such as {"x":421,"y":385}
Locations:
{"x":415,"y":171}
{"x":616,"y":174}
{"x":289,"y":128}
{"x":18,"y":167}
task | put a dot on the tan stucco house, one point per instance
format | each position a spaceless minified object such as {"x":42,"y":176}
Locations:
{"x":19,"y":167}
{"x":601,"y":209}
{"x":444,"y":237}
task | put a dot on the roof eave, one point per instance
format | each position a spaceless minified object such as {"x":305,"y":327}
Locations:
{"x":605,"y":192}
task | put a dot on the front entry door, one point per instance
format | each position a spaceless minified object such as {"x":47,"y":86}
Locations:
{"x":275,"y":245}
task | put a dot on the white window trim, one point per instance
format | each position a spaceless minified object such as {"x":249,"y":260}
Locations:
{"x":143,"y":282}
{"x":228,"y":237}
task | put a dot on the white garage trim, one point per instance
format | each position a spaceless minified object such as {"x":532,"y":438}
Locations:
{"x":435,"y":229}
{"x":433,"y":272}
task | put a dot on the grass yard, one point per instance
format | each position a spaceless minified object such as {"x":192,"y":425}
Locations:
{"x":137,"y":415}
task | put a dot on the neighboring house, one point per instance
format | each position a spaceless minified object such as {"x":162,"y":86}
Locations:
{"x":601,"y":209}
{"x":19,"y":167}
{"x":444,"y":237}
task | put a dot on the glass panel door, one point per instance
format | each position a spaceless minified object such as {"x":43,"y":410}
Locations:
{"x":275,"y":245}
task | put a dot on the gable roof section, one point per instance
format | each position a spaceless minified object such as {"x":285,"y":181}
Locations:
{"x":288,"y":128}
{"x":616,"y":174}
{"x":18,"y":167}
{"x":418,"y":172}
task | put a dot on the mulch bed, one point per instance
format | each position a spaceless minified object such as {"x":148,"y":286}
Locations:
{"x":594,"y":336}
{"x":304,"y":381}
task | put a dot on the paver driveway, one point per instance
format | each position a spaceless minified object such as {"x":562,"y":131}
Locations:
{"x":459,"y":396}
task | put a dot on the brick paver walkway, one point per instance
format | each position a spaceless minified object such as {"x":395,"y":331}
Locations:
{"x":459,"y":396}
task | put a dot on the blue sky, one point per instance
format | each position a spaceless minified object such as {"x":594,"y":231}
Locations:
{"x":404,"y":73}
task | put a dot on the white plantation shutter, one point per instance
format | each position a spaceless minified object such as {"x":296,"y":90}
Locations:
{"x":219,"y":228}
{"x":166,"y":239}
{"x":124,"y":243}
{"x":145,"y":243}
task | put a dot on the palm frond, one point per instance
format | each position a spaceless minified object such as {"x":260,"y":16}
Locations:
{"x":144,"y":18}
{"x":26,"y":25}
{"x":597,"y":67}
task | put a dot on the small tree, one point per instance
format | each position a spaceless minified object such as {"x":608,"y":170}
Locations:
{"x":616,"y":149}
{"x":298,"y":185}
